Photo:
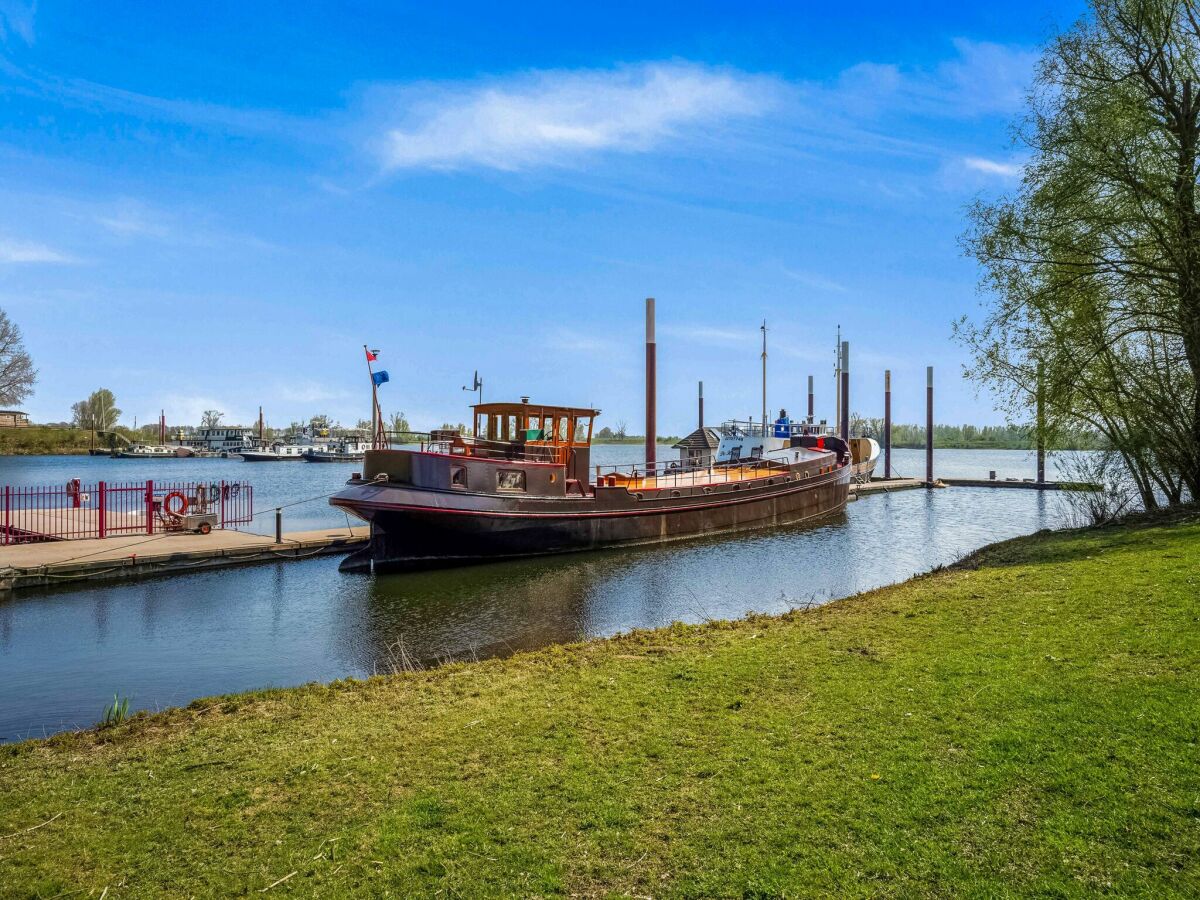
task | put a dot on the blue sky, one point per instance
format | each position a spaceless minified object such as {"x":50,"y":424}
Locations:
{"x":216,"y":205}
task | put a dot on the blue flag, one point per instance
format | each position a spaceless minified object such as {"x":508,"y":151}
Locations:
{"x":380,"y":377}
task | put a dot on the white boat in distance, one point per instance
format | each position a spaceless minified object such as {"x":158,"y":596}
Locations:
{"x":146,"y":451}
{"x":293,"y":448}
{"x":347,"y":449}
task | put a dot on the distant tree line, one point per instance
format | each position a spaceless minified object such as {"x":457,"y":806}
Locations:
{"x":976,"y":437}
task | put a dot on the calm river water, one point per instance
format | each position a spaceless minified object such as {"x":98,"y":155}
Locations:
{"x":164,"y":642}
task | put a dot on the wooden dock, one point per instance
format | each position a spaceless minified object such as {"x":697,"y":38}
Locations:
{"x":58,"y":563}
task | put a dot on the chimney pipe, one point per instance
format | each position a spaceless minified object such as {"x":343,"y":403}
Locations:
{"x":844,"y":369}
{"x":651,"y":386}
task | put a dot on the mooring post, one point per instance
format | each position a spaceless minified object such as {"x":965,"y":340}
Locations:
{"x":844,"y":427}
{"x":149,"y":507}
{"x":929,"y":425}
{"x":651,"y":387}
{"x":1041,"y":428}
{"x":810,"y":400}
{"x":102,"y":509}
{"x":887,"y":423}
{"x":278,"y":525}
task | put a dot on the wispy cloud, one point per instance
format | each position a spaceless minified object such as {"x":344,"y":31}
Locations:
{"x":552,"y":117}
{"x":12,"y":251}
{"x":710,"y":334}
{"x":16,"y":19}
{"x":128,"y":218}
{"x":814,"y":281}
{"x":980,"y":79}
{"x":993,"y":167}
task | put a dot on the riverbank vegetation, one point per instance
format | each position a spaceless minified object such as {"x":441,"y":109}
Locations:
{"x":1020,"y":724}
{"x":1093,"y":266}
{"x":976,"y":437}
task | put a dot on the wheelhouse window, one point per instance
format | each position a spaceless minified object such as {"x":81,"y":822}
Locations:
{"x":458,"y":477}
{"x":510,"y":480}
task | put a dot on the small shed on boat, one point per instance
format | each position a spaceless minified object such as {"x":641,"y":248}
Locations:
{"x":699,"y":448}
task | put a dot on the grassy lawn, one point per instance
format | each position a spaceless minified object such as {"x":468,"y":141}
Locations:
{"x":1028,"y":723}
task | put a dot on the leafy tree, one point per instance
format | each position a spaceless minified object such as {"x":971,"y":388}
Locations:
{"x":17,"y":374}
{"x":98,"y":411}
{"x":211,"y":418}
{"x":1094,"y":265}
{"x":398,"y":423}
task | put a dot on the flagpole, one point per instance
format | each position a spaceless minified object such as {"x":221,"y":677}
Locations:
{"x":376,"y":418}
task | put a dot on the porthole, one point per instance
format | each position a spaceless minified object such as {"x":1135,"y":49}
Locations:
{"x":674,"y":493}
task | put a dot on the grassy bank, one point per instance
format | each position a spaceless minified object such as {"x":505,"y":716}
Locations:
{"x":1023,"y":724}
{"x":43,"y":440}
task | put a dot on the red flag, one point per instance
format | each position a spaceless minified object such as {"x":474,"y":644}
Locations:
{"x":372,"y":355}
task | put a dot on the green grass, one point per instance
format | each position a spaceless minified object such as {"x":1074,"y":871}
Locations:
{"x":1025,"y":724}
{"x":39,"y":439}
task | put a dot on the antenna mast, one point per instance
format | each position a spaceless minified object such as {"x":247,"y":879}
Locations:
{"x":764,"y":377}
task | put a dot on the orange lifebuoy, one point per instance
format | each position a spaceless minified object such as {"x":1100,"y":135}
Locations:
{"x":175,"y":495}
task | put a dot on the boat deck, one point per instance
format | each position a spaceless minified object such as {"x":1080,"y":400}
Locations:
{"x":694,"y":477}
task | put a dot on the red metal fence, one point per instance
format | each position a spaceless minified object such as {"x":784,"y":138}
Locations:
{"x":77,"y":510}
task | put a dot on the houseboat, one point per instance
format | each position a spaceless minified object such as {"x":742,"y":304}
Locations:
{"x":522,"y":485}
{"x":344,"y":449}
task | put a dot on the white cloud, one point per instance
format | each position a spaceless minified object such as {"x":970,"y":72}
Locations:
{"x":28,"y":252}
{"x":816,"y":282}
{"x":16,"y":18}
{"x":551,"y":117}
{"x":130,"y":219}
{"x":992,"y":167}
{"x":981,"y":79}
{"x":709,"y":334}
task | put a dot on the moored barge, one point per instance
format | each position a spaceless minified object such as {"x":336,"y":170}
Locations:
{"x":522,"y":485}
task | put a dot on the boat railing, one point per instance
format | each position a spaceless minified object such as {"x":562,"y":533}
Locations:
{"x":481,"y":448}
{"x":791,"y":428}
{"x":675,"y":472}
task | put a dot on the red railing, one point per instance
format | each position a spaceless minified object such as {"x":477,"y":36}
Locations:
{"x":75,"y":510}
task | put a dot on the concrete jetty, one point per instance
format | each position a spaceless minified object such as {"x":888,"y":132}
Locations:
{"x":60,"y":563}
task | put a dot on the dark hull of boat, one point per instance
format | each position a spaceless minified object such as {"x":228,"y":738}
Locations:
{"x":335,"y":458}
{"x":411,"y":531}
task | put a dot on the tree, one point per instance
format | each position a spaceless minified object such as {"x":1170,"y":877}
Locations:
{"x":620,"y":432}
{"x":17,"y":374}
{"x":1094,"y":264}
{"x":211,"y":418}
{"x":99,"y":411}
{"x":398,"y":423}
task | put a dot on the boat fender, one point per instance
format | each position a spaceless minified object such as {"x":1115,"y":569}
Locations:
{"x":182,"y":503}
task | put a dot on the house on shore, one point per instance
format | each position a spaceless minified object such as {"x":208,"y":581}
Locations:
{"x":13,"y":418}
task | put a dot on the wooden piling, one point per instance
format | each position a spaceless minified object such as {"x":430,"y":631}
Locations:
{"x":887,"y":423}
{"x":844,"y":404}
{"x":651,"y":386}
{"x":929,"y":425}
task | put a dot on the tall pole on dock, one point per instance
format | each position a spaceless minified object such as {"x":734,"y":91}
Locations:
{"x":260,"y":427}
{"x":651,"y":387}
{"x":929,"y":425}
{"x":701,"y":425}
{"x":887,"y":423}
{"x":1041,"y":428}
{"x":810,"y":399}
{"x":764,"y":378}
{"x":844,"y":369}
{"x":837,"y":380}
{"x":162,"y":426}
